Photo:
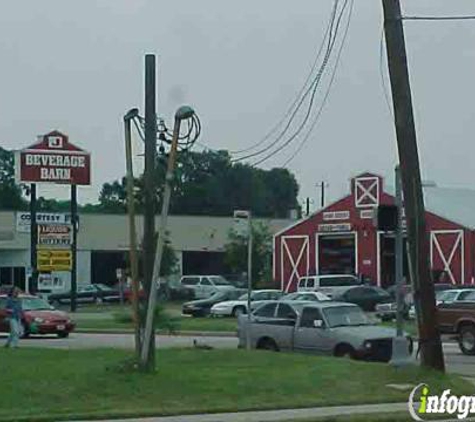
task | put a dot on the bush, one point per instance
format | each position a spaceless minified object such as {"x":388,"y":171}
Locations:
{"x":163,"y":320}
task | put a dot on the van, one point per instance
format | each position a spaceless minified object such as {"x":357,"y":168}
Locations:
{"x":329,"y":284}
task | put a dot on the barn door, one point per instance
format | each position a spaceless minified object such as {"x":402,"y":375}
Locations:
{"x":447,"y":254}
{"x":295,"y":260}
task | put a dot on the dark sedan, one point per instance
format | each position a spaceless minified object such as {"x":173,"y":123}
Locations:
{"x":366,"y":297}
{"x":202,"y":307}
{"x":93,"y":293}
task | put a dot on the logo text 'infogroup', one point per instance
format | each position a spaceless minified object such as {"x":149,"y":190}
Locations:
{"x":421,"y":404}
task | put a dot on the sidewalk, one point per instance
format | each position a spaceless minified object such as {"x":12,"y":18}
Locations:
{"x":310,"y":414}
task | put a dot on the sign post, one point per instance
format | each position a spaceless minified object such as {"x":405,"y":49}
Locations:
{"x":53,"y":159}
{"x":243,"y":226}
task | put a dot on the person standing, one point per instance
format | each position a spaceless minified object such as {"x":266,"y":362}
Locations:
{"x":14,"y":315}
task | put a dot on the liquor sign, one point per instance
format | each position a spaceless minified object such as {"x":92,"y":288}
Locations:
{"x":54,"y":260}
{"x":345,"y":227}
{"x":53,"y":159}
{"x":55,"y":235}
{"x":23,"y":220}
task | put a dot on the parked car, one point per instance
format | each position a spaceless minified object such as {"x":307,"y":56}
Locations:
{"x":445,"y":293}
{"x":458,"y":318}
{"x":327,"y":327}
{"x":330,"y":284}
{"x":310,"y":296}
{"x":239,"y":306}
{"x":202,"y":307}
{"x":39,"y":317}
{"x":204,"y":286}
{"x":92,"y":293}
{"x":366,"y":297}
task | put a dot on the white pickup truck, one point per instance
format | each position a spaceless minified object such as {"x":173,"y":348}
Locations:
{"x":331,"y":328}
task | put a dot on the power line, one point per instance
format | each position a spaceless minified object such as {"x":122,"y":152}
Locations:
{"x":438,"y":18}
{"x":299,"y":94}
{"x":307,"y":92}
{"x":300,"y":128}
{"x":327,"y":93}
{"x":313,"y":87}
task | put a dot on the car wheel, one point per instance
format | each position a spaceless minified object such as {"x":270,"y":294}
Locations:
{"x":267,"y":344}
{"x":238,"y":310}
{"x":467,"y":339}
{"x":63,"y":334}
{"x":344,"y":351}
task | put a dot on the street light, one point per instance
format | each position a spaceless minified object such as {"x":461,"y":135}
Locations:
{"x":183,"y":113}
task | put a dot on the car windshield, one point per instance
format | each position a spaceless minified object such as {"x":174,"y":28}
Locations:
{"x":344,"y":280}
{"x":218,"y":295}
{"x":34,"y":304}
{"x":219,"y":281}
{"x":103,"y":287}
{"x":290,"y":296}
{"x":345,"y":316}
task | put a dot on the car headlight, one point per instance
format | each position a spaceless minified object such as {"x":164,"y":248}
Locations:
{"x":367,"y":345}
{"x":39,"y":320}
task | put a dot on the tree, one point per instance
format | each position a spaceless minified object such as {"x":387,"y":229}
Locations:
{"x":10,"y":192}
{"x":209,"y":183}
{"x":236,"y":253}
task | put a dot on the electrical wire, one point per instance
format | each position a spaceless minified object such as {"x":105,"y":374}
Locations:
{"x":438,"y":18}
{"x":313,"y":88}
{"x":327,"y":93}
{"x":302,"y":90}
{"x":309,"y":110}
{"x":381,"y":74}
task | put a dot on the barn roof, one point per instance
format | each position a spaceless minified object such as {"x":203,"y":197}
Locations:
{"x":453,"y":204}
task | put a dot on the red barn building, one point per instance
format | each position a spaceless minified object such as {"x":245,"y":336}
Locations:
{"x":341,"y":238}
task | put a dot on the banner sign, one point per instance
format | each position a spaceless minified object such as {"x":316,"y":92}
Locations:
{"x":334,"y":227}
{"x":23,"y":222}
{"x":336,"y":215}
{"x":53,"y":160}
{"x":59,"y":235}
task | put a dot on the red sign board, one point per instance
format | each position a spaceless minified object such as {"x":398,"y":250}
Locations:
{"x":54,"y":160}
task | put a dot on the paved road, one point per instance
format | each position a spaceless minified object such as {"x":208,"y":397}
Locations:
{"x":122,"y":341}
{"x":456,"y":361}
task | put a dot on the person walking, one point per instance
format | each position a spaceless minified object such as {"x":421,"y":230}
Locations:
{"x":14,"y":312}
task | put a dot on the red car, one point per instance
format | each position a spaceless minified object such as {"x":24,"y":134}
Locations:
{"x":39,"y":317}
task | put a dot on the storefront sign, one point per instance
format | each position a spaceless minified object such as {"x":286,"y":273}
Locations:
{"x":336,"y":215}
{"x":53,"y":160}
{"x":55,"y":235}
{"x":54,"y":260}
{"x":334,"y":227}
{"x":23,"y":220}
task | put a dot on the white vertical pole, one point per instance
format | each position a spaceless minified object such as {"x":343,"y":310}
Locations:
{"x":249,"y":282}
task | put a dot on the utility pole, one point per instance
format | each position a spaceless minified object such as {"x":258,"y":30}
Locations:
{"x":399,"y":252}
{"x":307,"y":202}
{"x":322,"y":185}
{"x":149,"y":197}
{"x":429,"y":337}
{"x":133,"y":259}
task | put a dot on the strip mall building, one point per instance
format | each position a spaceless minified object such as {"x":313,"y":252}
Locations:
{"x":341,"y":238}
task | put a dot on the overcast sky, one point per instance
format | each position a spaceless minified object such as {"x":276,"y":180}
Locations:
{"x":78,"y":67}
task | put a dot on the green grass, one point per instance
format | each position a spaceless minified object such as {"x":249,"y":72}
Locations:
{"x":183,"y":324}
{"x":92,"y":383}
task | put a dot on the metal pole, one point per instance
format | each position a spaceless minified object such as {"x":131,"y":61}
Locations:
{"x":33,"y":240}
{"x":430,"y":343}
{"x":134,"y":273}
{"x":150,"y":193}
{"x":399,"y":256}
{"x":249,"y":283}
{"x":323,"y":194}
{"x":74,"y":217}
{"x":152,"y":299}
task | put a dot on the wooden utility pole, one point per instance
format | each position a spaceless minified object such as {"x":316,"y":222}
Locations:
{"x":424,"y":297}
{"x":150,"y":197}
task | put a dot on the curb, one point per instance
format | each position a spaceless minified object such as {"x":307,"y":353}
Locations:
{"x":160,"y":333}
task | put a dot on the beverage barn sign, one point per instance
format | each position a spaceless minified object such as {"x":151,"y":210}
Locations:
{"x":53,"y":159}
